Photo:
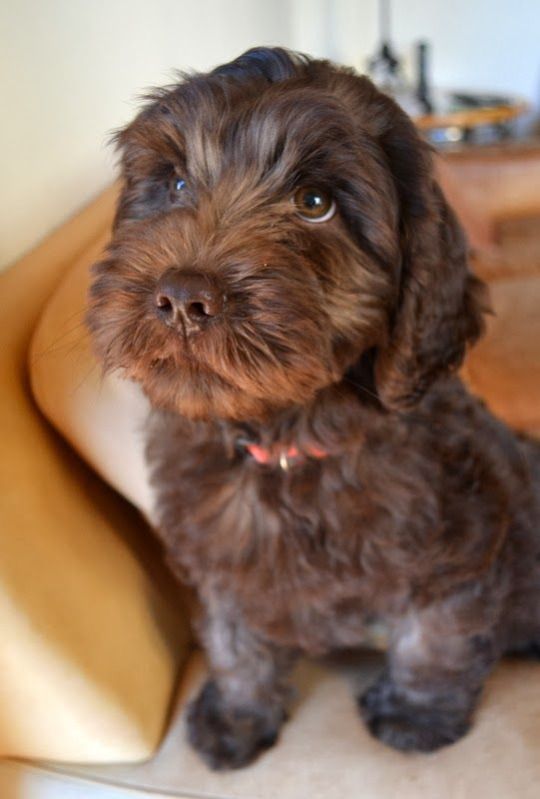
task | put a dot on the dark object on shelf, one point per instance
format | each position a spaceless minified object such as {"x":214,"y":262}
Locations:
{"x":458,"y":118}
{"x":384,"y":67}
{"x":422,"y":88}
{"x":465,"y":100}
{"x":446,"y":118}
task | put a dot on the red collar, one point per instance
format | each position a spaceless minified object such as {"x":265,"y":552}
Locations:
{"x":284,"y":456}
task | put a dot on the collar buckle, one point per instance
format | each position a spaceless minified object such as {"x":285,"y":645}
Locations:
{"x":285,"y":457}
{"x":284,"y":461}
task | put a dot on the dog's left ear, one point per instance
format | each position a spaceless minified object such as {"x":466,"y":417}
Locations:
{"x":440,"y":303}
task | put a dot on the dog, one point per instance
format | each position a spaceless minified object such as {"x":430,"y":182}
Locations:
{"x":291,"y":290}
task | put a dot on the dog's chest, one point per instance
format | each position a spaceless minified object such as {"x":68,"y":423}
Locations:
{"x":302,"y":550}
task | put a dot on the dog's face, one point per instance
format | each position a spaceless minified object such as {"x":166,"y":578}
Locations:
{"x":278,"y":215}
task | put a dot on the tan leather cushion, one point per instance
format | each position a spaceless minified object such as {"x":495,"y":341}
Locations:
{"x":90,"y":648}
{"x":102,"y":416}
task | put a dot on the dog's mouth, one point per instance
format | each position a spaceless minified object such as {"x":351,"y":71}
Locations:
{"x":189,"y":369}
{"x":195,"y":390}
{"x":226,"y":376}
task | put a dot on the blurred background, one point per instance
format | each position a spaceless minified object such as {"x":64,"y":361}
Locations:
{"x":71,"y":71}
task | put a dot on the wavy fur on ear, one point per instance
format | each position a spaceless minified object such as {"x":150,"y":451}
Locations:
{"x":441,"y":303}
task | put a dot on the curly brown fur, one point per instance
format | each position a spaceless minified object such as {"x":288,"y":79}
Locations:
{"x":342,"y":337}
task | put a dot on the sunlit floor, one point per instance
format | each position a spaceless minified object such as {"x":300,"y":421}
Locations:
{"x":325,"y":753}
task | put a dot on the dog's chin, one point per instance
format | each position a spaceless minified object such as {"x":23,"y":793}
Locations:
{"x":201,"y":395}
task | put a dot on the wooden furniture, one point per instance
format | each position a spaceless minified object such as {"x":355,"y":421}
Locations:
{"x":459,"y":123}
{"x":497,"y":194}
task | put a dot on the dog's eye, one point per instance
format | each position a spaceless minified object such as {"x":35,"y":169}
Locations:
{"x":178,"y":185}
{"x":177,"y":188}
{"x":314,"y":205}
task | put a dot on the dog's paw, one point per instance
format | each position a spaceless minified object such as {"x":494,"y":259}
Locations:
{"x":529,"y":651}
{"x":406,"y":726}
{"x":225,"y":737}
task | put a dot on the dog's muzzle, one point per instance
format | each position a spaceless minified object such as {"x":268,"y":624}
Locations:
{"x":188,"y":300}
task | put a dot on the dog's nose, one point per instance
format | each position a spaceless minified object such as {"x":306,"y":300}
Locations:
{"x":187,"y":299}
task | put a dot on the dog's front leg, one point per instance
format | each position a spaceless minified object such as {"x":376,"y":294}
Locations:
{"x":241,"y":707}
{"x":437,"y":663}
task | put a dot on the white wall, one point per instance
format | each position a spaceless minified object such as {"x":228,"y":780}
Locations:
{"x":70,"y":70}
{"x":491,"y":45}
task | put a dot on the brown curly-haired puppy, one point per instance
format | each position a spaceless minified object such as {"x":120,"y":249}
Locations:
{"x":289,"y":287}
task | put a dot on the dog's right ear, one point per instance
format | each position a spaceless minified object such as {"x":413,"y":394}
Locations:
{"x":149,"y":150}
{"x":118,"y":141}
{"x":129,"y":149}
{"x":146,"y":164}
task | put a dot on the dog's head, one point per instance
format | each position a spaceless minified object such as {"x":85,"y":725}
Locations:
{"x":278,"y":221}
